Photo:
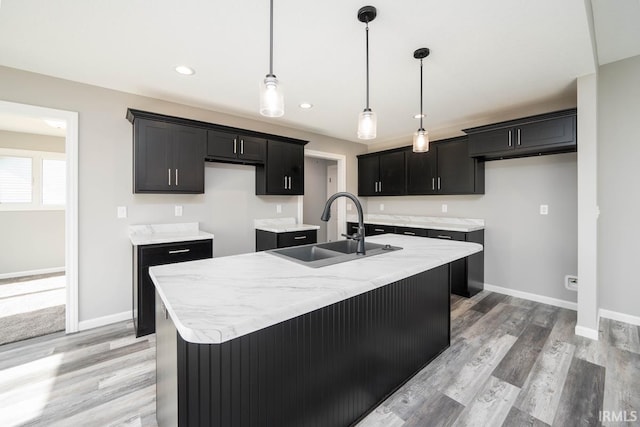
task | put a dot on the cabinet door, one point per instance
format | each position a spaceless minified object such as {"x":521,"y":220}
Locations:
{"x":222,"y":145}
{"x":295,"y":169}
{"x":252,"y":149}
{"x":421,"y":172}
{"x":152,"y":156}
{"x":493,"y":141}
{"x":189,"y":149}
{"x":456,"y":170}
{"x":392,"y":176}
{"x":275,"y":167}
{"x":368,"y":175}
{"x":557,"y":132}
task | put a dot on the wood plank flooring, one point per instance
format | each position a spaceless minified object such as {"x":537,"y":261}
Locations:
{"x":511,"y":363}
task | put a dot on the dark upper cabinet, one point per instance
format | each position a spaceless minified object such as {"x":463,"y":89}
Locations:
{"x":381,"y":174}
{"x":168,"y":157}
{"x":231,"y":147}
{"x":536,"y":135}
{"x":283,"y":171}
{"x":445,"y":169}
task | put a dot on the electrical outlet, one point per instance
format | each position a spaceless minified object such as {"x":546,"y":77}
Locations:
{"x":278,"y":208}
{"x":178,"y":210}
{"x":445,"y":208}
{"x":122,"y":211}
{"x":349,"y":206}
{"x":571,"y":282}
{"x":381,"y":207}
{"x":544,"y":209}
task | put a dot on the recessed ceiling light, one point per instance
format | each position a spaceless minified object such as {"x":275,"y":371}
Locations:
{"x":58,"y":124}
{"x":418,"y":116}
{"x":183,"y":69}
{"x":305,"y":105}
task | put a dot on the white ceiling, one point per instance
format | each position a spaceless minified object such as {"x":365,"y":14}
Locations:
{"x":24,"y":124}
{"x":486,"y":56}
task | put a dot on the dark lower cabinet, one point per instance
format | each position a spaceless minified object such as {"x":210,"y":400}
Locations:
{"x":266,"y":240}
{"x":329,"y":367}
{"x":376,"y":229}
{"x":145,"y":256}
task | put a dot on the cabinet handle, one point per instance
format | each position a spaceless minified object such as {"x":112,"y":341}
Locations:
{"x":518,"y":136}
{"x":289,"y":183}
{"x":433,"y":183}
{"x":375,"y":185}
{"x":409,"y":233}
{"x":300,"y":237}
{"x":438,"y":183}
{"x":442,"y":236}
{"x":378,"y":229}
{"x":242,"y":146}
{"x":235,"y":145}
{"x":380,"y":186}
{"x":177,"y":177}
{"x":285,"y":182}
{"x":179,"y":251}
{"x":169,"y":173}
{"x":510,"y":139}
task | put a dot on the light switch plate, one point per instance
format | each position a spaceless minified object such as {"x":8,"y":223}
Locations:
{"x":381,"y":207}
{"x":278,"y":208}
{"x":349,"y":206}
{"x":178,"y":210}
{"x":122,"y":211}
{"x":445,"y":208}
{"x":544,"y":209}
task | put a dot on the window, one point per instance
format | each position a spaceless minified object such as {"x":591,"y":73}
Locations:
{"x":32,"y":180}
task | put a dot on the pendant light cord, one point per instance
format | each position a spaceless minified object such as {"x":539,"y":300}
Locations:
{"x":421,"y":113}
{"x":367,"y":37}
{"x":271,"y":40}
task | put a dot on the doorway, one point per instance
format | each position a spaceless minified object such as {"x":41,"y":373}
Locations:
{"x":22,"y":116}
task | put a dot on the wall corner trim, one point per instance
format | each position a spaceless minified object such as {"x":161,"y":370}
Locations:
{"x":83,"y":325}
{"x":621,"y":317}
{"x":587,"y":332}
{"x":532,"y":297}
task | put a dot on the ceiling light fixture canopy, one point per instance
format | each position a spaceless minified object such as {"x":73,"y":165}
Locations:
{"x":367,"y":120}
{"x":271,"y":98}
{"x":421,"y":137}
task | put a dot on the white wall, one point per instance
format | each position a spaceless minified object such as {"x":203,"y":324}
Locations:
{"x":618,"y":180}
{"x":105,"y":182}
{"x":524,"y":250}
{"x":315,"y":193}
{"x":31,"y":240}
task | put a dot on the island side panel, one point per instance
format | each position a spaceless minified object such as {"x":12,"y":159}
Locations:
{"x":166,"y":367}
{"x":475,"y":265}
{"x":329,"y":367}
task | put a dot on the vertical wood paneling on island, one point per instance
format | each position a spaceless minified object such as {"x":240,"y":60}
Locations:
{"x":326,"y":368}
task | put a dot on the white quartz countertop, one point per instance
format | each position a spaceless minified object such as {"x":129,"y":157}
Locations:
{"x":430,"y":222}
{"x":166,"y":233}
{"x":218,"y":299}
{"x":282,"y":225}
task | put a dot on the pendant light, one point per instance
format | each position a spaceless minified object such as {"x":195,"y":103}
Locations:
{"x":421,"y":137}
{"x":271,"y":99}
{"x":367,"y":120}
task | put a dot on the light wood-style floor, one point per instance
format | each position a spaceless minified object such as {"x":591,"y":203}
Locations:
{"x":511,"y":362}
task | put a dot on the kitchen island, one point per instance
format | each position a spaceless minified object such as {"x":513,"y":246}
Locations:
{"x":255,"y":339}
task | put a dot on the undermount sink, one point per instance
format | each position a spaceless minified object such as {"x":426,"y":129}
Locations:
{"x":324,"y":254}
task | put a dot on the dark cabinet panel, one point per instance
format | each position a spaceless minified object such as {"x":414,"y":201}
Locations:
{"x":375,"y":229}
{"x":224,"y":146}
{"x":410,"y":231}
{"x":421,"y":172}
{"x":266,"y":240}
{"x":283,"y":172}
{"x":168,"y":158}
{"x":146,"y":256}
{"x":381,"y":174}
{"x":536,"y":135}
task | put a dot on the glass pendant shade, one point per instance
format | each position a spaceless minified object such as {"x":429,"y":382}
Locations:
{"x":271,"y":98}
{"x":367,"y":124}
{"x":421,"y":141}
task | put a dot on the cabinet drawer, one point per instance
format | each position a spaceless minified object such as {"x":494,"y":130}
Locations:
{"x":409,"y":231}
{"x":374,"y":229}
{"x":170,"y":253}
{"x":297,"y":238}
{"x":449,"y":235}
{"x":352,"y":227}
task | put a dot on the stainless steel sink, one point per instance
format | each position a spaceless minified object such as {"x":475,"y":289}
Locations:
{"x":324,"y":254}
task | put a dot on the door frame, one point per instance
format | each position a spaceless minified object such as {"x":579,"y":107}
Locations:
{"x":341,"y":159}
{"x":71,"y":207}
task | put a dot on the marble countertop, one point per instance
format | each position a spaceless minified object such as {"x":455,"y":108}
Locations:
{"x":431,"y":222}
{"x":218,"y":299}
{"x":282,"y":225}
{"x":166,"y":233}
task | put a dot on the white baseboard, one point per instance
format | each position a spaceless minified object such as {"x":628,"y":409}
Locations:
{"x":587,"y":332}
{"x":31,"y":272}
{"x":621,"y":317}
{"x":83,"y":325}
{"x":532,"y":297}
